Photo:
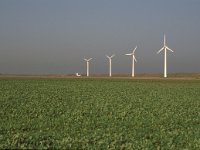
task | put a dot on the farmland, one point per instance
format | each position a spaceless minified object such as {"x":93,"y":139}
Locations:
{"x":99,"y":113}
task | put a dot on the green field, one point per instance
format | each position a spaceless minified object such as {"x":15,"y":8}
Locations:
{"x":99,"y":113}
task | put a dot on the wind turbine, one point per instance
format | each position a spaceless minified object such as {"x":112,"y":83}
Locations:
{"x":134,"y":60}
{"x":110,"y":64}
{"x":87,"y":60}
{"x":165,"y":48}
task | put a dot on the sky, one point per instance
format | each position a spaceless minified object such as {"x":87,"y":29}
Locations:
{"x":54,"y":36}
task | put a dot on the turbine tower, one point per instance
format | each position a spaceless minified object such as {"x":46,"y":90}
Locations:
{"x":110,"y":64}
{"x":165,"y":48}
{"x":133,"y":61}
{"x":87,"y":60}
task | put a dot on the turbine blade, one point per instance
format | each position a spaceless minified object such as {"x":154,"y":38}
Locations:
{"x":112,"y":56}
{"x":135,"y":49}
{"x":88,"y":59}
{"x":160,"y":50}
{"x":169,"y":49}
{"x":135,"y":59}
{"x":129,"y":54}
{"x":164,"y":40}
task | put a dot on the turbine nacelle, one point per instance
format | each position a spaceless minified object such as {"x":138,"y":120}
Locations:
{"x":110,"y":57}
{"x":88,"y":59}
{"x":164,"y":48}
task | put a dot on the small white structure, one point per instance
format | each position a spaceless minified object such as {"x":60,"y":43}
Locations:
{"x":78,"y":75}
{"x":134,"y":60}
{"x":110,"y":64}
{"x":165,"y":48}
{"x":87,"y":61}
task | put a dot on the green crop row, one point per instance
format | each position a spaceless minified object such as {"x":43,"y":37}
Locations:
{"x":99,"y":114}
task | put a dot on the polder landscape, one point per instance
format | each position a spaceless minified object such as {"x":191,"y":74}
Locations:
{"x":65,"y":112}
{"x":100,"y":74}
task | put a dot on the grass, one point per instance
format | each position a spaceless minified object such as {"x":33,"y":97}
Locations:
{"x":99,"y":113}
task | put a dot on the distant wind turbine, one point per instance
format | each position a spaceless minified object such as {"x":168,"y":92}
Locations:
{"x":110,"y":64}
{"x":165,"y":48}
{"x":134,"y":60}
{"x":87,"y":60}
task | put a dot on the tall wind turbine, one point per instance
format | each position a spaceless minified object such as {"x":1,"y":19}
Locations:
{"x":165,"y":48}
{"x":133,"y":61}
{"x":87,"y":60}
{"x":110,"y":64}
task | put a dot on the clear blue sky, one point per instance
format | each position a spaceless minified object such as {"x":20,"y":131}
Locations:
{"x":53,"y":36}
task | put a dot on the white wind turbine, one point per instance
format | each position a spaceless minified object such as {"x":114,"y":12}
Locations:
{"x":87,"y":60}
{"x":165,"y":48}
{"x":133,"y":61}
{"x":110,"y":64}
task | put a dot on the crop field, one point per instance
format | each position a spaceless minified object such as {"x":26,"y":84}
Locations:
{"x":95,"y":113}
